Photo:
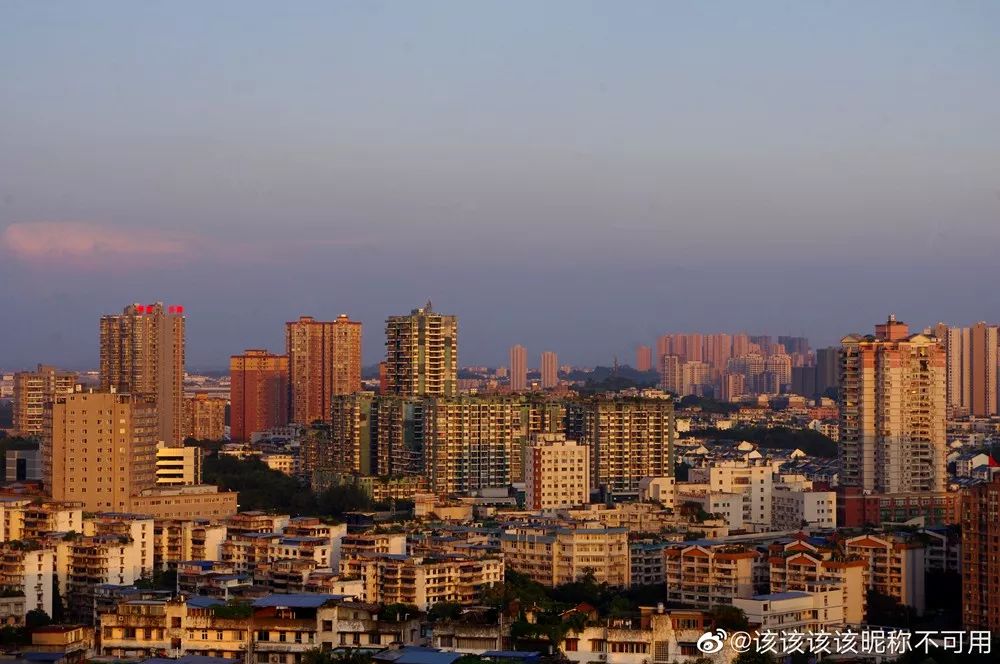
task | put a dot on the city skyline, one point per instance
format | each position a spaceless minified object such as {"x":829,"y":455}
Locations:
{"x":371,"y":358}
{"x":722,"y":161}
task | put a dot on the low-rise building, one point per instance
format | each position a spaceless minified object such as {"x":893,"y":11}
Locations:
{"x":793,"y":508}
{"x":556,"y":555}
{"x":667,"y":636}
{"x":895,"y":566}
{"x":706,"y":574}
{"x":819,"y":610}
{"x":28,"y":569}
{"x":422,"y":581}
{"x":556,"y":472}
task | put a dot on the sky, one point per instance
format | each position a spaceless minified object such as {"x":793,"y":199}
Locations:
{"x":575,"y":176}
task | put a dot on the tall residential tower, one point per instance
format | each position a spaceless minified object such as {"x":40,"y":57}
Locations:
{"x":324,"y":360}
{"x":142,"y":353}
{"x":518,"y":368}
{"x":258,"y":392}
{"x":421,"y":354}
{"x":892,"y":429}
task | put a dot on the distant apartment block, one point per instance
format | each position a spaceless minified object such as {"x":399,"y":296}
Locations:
{"x":32,"y":390}
{"x":421,"y":354}
{"x":324,"y":360}
{"x":258,"y":393}
{"x":557,"y":472}
{"x":205,"y":417}
{"x":142,"y":353}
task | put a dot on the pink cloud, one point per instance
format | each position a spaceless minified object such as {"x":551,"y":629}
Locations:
{"x":83,"y":242}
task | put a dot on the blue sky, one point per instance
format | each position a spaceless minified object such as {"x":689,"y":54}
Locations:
{"x":573,"y":176}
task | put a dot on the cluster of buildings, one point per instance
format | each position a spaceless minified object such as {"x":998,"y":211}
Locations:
{"x":731,"y":366}
{"x":553,"y":485}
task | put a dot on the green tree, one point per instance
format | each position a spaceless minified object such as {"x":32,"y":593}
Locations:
{"x":444,"y":611}
{"x":729,"y":618}
{"x":58,"y":608}
{"x":36,"y":618}
{"x":399,"y":612}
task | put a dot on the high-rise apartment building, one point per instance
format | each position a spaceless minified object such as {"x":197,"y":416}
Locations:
{"x":718,"y":350}
{"x":32,"y":390}
{"x":981,"y":556}
{"x":204,"y":416}
{"x":971,"y":362}
{"x":324,"y":360}
{"x":780,"y":365}
{"x":477,"y":442}
{"x":421,"y":354}
{"x":142,"y":353}
{"x":983,"y":369}
{"x":893,"y":417}
{"x":696,"y":378}
{"x":694,"y":347}
{"x":518,"y":368}
{"x":733,"y":386}
{"x":629,"y":437}
{"x":549,"y":370}
{"x":556,"y":473}
{"x":827,"y":369}
{"x":643,"y":358}
{"x":258,"y":393}
{"x":795,"y":345}
{"x":671,"y":374}
{"x":804,"y":381}
{"x":99,"y":448}
{"x":353,"y":427}
{"x":741,"y":345}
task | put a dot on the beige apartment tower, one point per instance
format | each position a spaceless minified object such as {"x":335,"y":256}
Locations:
{"x":630,"y":438}
{"x":421,"y":354}
{"x":99,"y":448}
{"x":550,"y":370}
{"x":142,"y":353}
{"x":971,"y":360}
{"x":893,"y":421}
{"x":324,"y":360}
{"x":643,"y":358}
{"x":518,"y":368}
{"x":32,"y":390}
{"x":556,"y":473}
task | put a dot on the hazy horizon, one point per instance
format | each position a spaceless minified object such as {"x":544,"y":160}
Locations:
{"x":580,"y":177}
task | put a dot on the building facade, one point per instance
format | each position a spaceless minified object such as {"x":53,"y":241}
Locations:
{"x":205,"y":416}
{"x":79,"y":428}
{"x":630,"y":437}
{"x":142,"y":353}
{"x":894,"y":413}
{"x":258,"y":393}
{"x":518,"y":368}
{"x":550,"y":370}
{"x":324,"y":360}
{"x":421,"y":354}
{"x":32,"y":390}
{"x":556,"y":473}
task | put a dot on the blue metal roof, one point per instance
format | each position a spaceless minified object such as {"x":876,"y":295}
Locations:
{"x":43,"y":656}
{"x":512,"y":654}
{"x":189,"y":659}
{"x":201,"y":602}
{"x":296,"y":600}
{"x":426,"y":656}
